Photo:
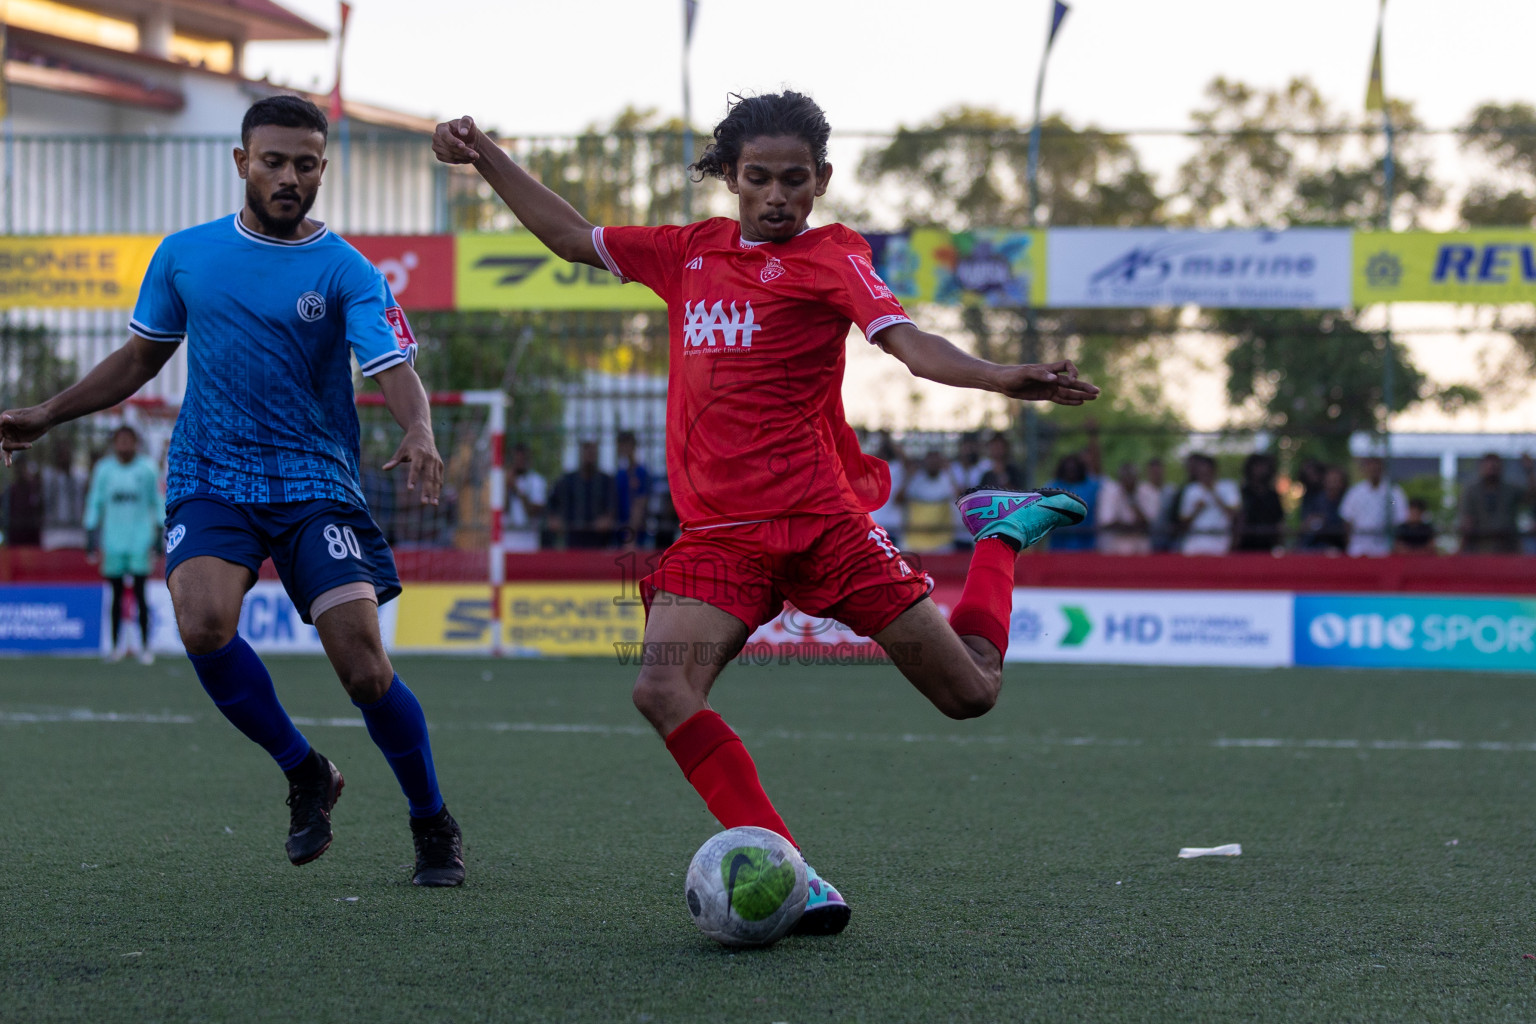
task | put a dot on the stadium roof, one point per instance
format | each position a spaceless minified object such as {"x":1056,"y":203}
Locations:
{"x":218,"y":19}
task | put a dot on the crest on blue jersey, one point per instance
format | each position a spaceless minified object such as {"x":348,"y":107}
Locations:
{"x":311,"y":306}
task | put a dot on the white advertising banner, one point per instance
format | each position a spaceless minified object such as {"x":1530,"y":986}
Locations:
{"x":268,"y":621}
{"x":1152,"y":627}
{"x":1299,"y":268}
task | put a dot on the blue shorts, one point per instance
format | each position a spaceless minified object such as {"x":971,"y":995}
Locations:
{"x":316,"y":546}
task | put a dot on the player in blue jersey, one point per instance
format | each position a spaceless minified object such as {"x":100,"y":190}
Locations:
{"x":264,"y":462}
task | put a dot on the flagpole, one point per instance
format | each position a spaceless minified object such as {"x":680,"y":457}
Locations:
{"x":1058,"y":13}
{"x":338,"y":115}
{"x":1376,"y":97}
{"x":9,"y":126}
{"x":690,"y":11}
{"x":1031,"y":352}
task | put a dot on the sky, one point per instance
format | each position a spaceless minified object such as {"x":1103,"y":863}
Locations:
{"x":559,"y":66}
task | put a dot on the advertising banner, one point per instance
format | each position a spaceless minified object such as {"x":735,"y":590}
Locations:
{"x":419,"y":268}
{"x":517,"y":272}
{"x":1421,"y":266}
{"x":1151,"y":627}
{"x":74,"y":271}
{"x":1429,"y":631}
{"x":1301,"y":268}
{"x":51,"y":619}
{"x":268,"y":621}
{"x":539,"y":619}
{"x":983,"y":267}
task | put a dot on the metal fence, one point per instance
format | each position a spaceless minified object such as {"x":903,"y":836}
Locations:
{"x":60,"y":185}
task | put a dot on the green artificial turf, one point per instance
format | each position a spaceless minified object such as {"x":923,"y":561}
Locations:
{"x":1019,"y":867}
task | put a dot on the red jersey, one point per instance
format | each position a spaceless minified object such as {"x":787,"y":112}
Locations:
{"x":755,"y":423}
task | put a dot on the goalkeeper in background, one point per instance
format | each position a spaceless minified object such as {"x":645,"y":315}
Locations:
{"x":123,"y":522}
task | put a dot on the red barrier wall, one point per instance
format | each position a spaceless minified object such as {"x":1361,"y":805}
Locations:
{"x":1464,"y":574}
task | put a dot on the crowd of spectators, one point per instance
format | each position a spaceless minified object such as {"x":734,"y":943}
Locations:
{"x":1139,"y":510}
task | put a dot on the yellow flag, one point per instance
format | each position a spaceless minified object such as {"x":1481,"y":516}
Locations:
{"x":1375,"y":97}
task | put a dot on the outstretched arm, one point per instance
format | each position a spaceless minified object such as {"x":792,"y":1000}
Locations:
{"x":406,"y":401}
{"x":553,"y":220}
{"x":937,"y":359}
{"x":114,"y":380}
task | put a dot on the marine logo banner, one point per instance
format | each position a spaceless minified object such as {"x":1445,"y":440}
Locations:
{"x":1300,"y":268}
{"x":74,"y":271}
{"x":1495,"y":266}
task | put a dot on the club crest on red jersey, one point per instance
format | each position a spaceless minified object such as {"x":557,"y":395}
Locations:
{"x":772,"y":270}
{"x":877,"y":288}
{"x":712,"y":328}
{"x":403,"y":336}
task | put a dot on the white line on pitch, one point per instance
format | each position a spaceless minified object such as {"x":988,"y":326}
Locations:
{"x":86,"y":715}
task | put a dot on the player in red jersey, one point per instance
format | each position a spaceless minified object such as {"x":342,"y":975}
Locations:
{"x":770,"y":484}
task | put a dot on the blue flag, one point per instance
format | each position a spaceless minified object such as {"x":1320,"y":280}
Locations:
{"x":1058,"y":15}
{"x":690,"y":12}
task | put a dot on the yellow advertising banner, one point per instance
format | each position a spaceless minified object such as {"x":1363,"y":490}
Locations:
{"x":1490,"y":266}
{"x":74,"y":271}
{"x":516,"y":272}
{"x":553,"y":619}
{"x":983,"y":267}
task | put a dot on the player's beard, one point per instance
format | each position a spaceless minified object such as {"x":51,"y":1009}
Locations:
{"x":278,"y":227}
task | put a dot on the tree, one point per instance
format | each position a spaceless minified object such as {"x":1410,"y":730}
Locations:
{"x":967,"y":169}
{"x":1505,"y":136}
{"x":1283,"y":158}
{"x":630,"y":171}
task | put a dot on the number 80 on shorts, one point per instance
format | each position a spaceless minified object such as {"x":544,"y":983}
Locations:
{"x":341,"y":542}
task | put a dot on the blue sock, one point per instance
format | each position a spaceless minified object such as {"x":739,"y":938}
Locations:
{"x":242,"y":688}
{"x":399,"y":729}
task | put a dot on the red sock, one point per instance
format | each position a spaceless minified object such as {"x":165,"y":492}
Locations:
{"x":987,"y":600}
{"x":716,"y":763}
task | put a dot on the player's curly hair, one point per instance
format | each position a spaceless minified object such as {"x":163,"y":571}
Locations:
{"x":775,"y":114}
{"x":284,"y":111}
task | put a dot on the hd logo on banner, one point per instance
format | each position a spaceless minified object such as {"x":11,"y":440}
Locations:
{"x":1147,"y":627}
{"x":1300,"y":268}
{"x":1441,"y":631}
{"x":1469,"y":266}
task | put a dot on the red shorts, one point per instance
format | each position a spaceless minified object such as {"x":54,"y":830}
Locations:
{"x":841,"y":567}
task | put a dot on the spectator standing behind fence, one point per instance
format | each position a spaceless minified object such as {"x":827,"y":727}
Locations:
{"x":1079,"y":472}
{"x":1001,"y":472}
{"x":889,"y":516}
{"x":24,"y":506}
{"x":967,"y":471}
{"x":581,"y":505}
{"x":527,"y":493}
{"x":1207,"y":509}
{"x":1490,"y":509}
{"x":124,"y":514}
{"x":1127,"y":509}
{"x":63,"y":500}
{"x":1365,"y":508}
{"x":929,"y":494}
{"x":1415,"y":535}
{"x":631,"y":491}
{"x":1322,"y":527}
{"x":1165,"y":526}
{"x":1261,"y":517}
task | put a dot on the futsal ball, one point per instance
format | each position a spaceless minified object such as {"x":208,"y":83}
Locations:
{"x":746,"y":887}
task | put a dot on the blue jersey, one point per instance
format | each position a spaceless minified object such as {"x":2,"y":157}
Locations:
{"x":268,"y":414}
